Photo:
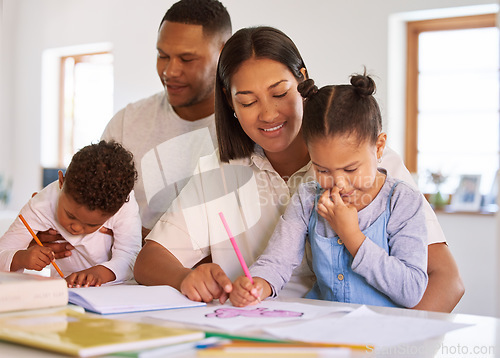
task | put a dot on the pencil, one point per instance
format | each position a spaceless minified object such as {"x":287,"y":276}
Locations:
{"x":237,"y":250}
{"x":240,"y":341}
{"x":248,"y":342}
{"x":39,"y":243}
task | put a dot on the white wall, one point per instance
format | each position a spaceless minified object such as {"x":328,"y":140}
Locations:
{"x":336,"y":38}
{"x":473,"y":241}
{"x":5,"y":94}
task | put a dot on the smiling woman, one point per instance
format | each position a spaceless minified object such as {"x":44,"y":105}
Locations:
{"x":263,"y":66}
{"x":265,"y":102}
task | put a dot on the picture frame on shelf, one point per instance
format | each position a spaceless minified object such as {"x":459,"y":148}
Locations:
{"x":467,"y":197}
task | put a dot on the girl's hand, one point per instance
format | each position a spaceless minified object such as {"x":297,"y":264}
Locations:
{"x":342,"y":217}
{"x":244,"y":293}
{"x":33,"y":258}
{"x":94,"y":276}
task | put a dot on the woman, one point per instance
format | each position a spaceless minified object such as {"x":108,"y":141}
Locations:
{"x":262,"y":159}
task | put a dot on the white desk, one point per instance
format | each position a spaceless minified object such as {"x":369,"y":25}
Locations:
{"x":482,"y":340}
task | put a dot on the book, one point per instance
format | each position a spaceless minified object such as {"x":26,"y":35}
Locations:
{"x":82,"y":334}
{"x":129,"y":298}
{"x":19,"y":291}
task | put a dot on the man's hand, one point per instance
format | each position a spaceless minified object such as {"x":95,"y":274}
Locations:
{"x":206,"y":283}
{"x":61,"y":249}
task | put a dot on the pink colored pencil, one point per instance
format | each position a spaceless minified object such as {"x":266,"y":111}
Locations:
{"x":236,"y":249}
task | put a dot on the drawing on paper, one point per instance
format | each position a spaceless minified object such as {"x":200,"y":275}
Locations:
{"x":257,"y":312}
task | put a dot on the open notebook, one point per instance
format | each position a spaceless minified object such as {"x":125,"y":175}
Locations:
{"x":129,"y":298}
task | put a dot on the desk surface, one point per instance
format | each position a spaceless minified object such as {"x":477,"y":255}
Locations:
{"x":481,"y":340}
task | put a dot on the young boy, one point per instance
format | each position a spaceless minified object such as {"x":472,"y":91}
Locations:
{"x":95,"y":192}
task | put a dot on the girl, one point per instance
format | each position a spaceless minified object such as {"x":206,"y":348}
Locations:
{"x":369,"y":241}
{"x":258,"y":116}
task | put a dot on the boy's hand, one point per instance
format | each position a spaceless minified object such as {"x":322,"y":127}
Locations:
{"x":49,"y":238}
{"x":94,"y":276}
{"x":342,"y":217}
{"x":244,"y":293}
{"x":33,"y":258}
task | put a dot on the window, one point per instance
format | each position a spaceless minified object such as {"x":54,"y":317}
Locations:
{"x":86,"y":100}
{"x":453,"y":100}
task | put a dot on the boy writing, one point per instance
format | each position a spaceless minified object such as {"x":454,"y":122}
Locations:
{"x":96,"y":191}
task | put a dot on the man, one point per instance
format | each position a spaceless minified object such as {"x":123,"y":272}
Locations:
{"x":168,"y":132}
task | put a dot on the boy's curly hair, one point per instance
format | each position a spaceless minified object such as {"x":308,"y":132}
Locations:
{"x":101,"y":176}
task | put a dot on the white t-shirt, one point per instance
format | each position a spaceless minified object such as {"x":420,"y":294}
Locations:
{"x":166,"y":149}
{"x":117,"y":253}
{"x":252,"y":196}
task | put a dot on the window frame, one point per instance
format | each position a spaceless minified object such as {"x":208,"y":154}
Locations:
{"x":413,"y":30}
{"x":77,"y":58}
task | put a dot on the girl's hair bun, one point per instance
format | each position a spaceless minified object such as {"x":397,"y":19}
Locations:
{"x":364,"y":85}
{"x":307,"y":88}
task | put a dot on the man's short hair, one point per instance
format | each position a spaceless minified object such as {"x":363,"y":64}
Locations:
{"x":210,"y":14}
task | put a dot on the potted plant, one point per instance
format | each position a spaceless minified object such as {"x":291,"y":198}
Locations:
{"x":437,"y":200}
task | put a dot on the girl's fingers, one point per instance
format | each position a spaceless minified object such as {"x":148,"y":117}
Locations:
{"x":322,"y":209}
{"x":257,"y":292}
{"x":335,"y":196}
{"x":325,"y":197}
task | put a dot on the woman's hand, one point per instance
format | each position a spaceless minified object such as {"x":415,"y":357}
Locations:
{"x":206,"y":283}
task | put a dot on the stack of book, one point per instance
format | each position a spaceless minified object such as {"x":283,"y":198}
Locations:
{"x":19,"y":291}
{"x":81,"y":334}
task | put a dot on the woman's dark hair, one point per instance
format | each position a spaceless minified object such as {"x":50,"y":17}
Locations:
{"x":210,"y":14}
{"x":341,"y":110}
{"x":101,"y":176}
{"x":254,"y":42}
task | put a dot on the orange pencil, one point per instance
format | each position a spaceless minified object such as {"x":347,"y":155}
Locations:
{"x":39,"y":243}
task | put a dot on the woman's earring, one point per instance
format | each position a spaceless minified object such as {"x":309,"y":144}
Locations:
{"x":379,"y":160}
{"x":234,"y":114}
